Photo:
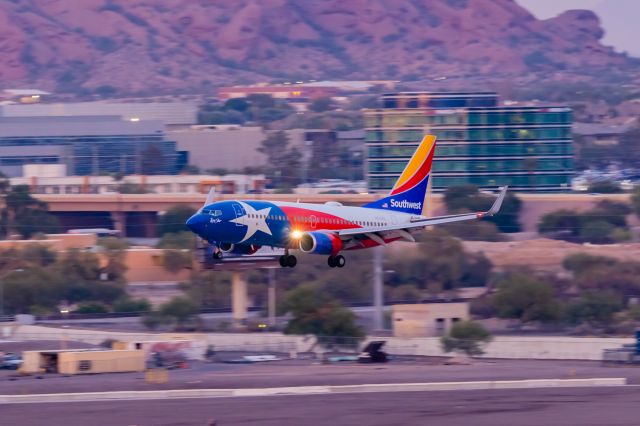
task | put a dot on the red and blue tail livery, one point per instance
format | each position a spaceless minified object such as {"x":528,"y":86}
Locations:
{"x":408,"y":193}
{"x":243,"y":226}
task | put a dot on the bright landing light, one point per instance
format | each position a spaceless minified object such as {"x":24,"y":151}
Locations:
{"x":296,"y":235}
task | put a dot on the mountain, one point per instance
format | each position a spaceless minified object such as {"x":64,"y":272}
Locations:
{"x":164,"y":46}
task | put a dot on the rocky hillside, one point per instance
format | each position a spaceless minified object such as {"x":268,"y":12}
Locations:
{"x":138,"y":46}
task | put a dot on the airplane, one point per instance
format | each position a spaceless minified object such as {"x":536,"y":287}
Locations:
{"x":243,"y":226}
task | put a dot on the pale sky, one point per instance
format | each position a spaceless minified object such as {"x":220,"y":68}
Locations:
{"x":619,"y":18}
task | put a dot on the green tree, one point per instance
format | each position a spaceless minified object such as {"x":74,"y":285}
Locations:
{"x":283,"y":161}
{"x":605,"y":223}
{"x":477,"y":230}
{"x":321,"y":105}
{"x":127,"y":304}
{"x":561,"y":224}
{"x":597,"y":231}
{"x":180,"y":309}
{"x":152,"y":160}
{"x":176,"y":260}
{"x":260,"y":100}
{"x":153,"y":319}
{"x":439,"y":263}
{"x":29,"y":288}
{"x":635,"y":200}
{"x":177,"y":240}
{"x":312,"y":312}
{"x":237,"y":104}
{"x":91,"y":308}
{"x":209,"y":289}
{"x":132,"y":188}
{"x":174,"y":219}
{"x":38,"y":255}
{"x":581,"y":262}
{"x":595,"y":309}
{"x":605,"y":187}
{"x":468,"y":198}
{"x":27,"y":215}
{"x":468,"y":337}
{"x":604,"y":274}
{"x":524,"y":297}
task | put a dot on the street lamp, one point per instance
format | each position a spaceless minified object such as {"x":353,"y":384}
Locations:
{"x":2,"y":288}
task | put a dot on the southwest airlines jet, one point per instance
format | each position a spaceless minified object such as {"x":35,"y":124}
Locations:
{"x":242,"y":227}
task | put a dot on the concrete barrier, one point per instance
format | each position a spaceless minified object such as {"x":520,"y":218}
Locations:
{"x":507,"y":347}
{"x":514,"y":347}
{"x":309,"y":390}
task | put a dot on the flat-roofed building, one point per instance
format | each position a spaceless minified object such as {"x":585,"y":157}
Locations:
{"x":480,"y":142}
{"x":292,"y":91}
{"x":427,"y":319}
{"x":170,"y":113}
{"x":156,"y":184}
{"x":87,"y":145}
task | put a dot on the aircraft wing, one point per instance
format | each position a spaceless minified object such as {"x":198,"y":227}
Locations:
{"x":377,"y":232}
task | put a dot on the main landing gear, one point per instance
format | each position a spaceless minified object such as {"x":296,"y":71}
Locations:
{"x":336,"y":261}
{"x":216,"y":254}
{"x":288,"y":260}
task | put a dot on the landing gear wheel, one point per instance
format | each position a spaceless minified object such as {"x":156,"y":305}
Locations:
{"x":331,"y":261}
{"x":340,"y":261}
{"x":217,"y":255}
{"x":288,"y":260}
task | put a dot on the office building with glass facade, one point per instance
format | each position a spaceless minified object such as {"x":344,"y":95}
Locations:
{"x":480,"y":142}
{"x":87,"y":145}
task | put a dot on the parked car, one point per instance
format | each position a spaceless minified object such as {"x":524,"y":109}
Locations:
{"x":10,"y":362}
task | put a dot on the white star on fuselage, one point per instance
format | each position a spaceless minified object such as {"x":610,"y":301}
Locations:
{"x":254,"y":220}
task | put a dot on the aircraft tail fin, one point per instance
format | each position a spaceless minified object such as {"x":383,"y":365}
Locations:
{"x":407,"y":194}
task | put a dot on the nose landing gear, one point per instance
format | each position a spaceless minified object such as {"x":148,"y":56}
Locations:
{"x":336,"y":261}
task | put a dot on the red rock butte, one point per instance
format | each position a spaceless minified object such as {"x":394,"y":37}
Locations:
{"x":155,"y":46}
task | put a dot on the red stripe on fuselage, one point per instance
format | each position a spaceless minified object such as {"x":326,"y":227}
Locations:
{"x":313,"y":220}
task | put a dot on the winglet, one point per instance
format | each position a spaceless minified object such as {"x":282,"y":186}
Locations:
{"x":495,"y":208}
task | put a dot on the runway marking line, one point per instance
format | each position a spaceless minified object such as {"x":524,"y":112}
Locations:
{"x":309,"y":390}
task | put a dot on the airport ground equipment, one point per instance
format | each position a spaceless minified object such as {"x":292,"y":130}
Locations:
{"x":372,"y":353}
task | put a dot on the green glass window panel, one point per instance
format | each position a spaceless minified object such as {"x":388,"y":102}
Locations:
{"x":501,"y":165}
{"x":511,"y":180}
{"x":387,"y":167}
{"x":391,"y":151}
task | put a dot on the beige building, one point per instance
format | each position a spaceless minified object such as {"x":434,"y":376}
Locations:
{"x":83,"y":361}
{"x":231,"y":146}
{"x":427,"y":319}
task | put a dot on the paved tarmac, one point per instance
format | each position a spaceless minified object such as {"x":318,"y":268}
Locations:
{"x":529,"y":407}
{"x":308,"y":373}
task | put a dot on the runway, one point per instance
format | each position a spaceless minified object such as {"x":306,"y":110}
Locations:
{"x":531,"y":407}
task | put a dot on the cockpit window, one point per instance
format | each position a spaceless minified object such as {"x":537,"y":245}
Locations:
{"x":205,"y":211}
{"x":216,"y":212}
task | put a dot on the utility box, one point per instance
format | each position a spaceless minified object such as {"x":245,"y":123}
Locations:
{"x":427,"y":319}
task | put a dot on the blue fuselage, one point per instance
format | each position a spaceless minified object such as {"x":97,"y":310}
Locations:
{"x":254,"y":222}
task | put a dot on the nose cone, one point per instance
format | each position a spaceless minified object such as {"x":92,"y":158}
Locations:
{"x":196,"y":223}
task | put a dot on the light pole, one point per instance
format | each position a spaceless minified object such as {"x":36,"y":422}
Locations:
{"x":378,"y":302}
{"x":271,"y":298}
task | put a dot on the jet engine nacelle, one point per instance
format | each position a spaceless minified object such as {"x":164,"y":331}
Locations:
{"x":320,"y":243}
{"x":239,"y":248}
